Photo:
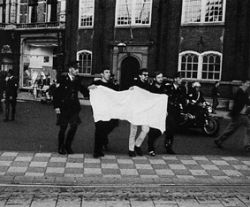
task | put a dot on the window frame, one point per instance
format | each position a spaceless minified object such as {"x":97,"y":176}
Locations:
{"x":203,"y":14}
{"x":78,"y":60}
{"x":200,"y":63}
{"x":79,"y":16}
{"x":132,"y":15}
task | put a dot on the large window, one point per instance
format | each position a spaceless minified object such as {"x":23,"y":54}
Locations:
{"x":86,"y":13}
{"x":84,"y":58}
{"x":133,"y":12}
{"x":206,"y":66}
{"x":203,"y":11}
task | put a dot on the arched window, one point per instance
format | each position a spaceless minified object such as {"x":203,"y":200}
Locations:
{"x":84,"y":58}
{"x":189,"y":64}
{"x":206,"y":66}
{"x":211,"y":66}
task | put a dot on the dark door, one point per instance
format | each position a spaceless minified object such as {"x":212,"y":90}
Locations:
{"x":129,"y":70}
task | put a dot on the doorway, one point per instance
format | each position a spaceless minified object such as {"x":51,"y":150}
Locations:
{"x":129,"y":69}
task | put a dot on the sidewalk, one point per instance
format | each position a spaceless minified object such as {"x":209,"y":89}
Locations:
{"x":82,"y":169}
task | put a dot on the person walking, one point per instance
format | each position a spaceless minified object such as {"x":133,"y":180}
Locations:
{"x":215,"y":95}
{"x":159,"y":88}
{"x":135,"y":144}
{"x":239,"y":117}
{"x":175,"y":100}
{"x":67,"y":107}
{"x":2,"y":86}
{"x":103,"y":128}
{"x":10,"y":88}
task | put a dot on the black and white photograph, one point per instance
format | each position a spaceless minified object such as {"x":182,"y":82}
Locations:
{"x":125,"y":103}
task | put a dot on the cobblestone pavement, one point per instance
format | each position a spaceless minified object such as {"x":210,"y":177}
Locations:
{"x":19,"y":167}
{"x":116,"y":196}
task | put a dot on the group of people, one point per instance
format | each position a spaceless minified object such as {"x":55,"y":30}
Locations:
{"x":8,"y":92}
{"x":67,"y":107}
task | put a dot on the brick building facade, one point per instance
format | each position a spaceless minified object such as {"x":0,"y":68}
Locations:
{"x":206,"y":40}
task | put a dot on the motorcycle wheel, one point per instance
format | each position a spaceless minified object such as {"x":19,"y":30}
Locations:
{"x":212,"y":126}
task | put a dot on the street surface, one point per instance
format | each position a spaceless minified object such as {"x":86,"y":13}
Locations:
{"x":35,"y":131}
{"x":120,"y":196}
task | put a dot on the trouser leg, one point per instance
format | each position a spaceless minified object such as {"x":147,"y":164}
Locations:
{"x":153,"y":134}
{"x":246,"y":130}
{"x":7,"y":109}
{"x":132,"y":134}
{"x":99,"y":130}
{"x":171,"y":126}
{"x":13,"y":109}
{"x":142,"y":135}
{"x":230,"y":129}
{"x":61,"y":136}
{"x":70,"y":135}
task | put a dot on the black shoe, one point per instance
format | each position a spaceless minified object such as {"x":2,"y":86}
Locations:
{"x":131,"y":153}
{"x":69,"y":150}
{"x":152,"y":153}
{"x":169,"y":150}
{"x":62,"y":151}
{"x":138,"y":151}
{"x":98,"y":154}
{"x":218,"y":143}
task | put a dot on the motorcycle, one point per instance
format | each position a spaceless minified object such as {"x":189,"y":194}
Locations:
{"x":201,"y":119}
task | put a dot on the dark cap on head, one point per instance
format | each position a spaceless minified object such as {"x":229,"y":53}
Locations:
{"x":11,"y":72}
{"x":177,"y":75}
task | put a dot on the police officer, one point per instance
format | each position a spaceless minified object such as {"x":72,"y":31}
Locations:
{"x":67,"y":107}
{"x":175,"y":100}
{"x":11,"y":86}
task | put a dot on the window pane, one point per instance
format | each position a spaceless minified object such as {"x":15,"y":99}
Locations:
{"x":189,"y":64}
{"x":214,"y":10}
{"x":85,"y":62}
{"x":86,"y":13}
{"x":192,"y":11}
{"x":124,"y":12}
{"x":142,"y":11}
{"x":211,"y":68}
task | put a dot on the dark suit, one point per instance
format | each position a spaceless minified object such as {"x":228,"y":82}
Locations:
{"x":11,"y":86}
{"x":66,"y":99}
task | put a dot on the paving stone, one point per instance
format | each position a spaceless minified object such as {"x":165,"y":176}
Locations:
{"x":177,"y":167}
{"x":74,"y":171}
{"x":143,"y":166}
{"x":189,"y":162}
{"x":112,"y":176}
{"x":200,"y":158}
{"x":92,"y":160}
{"x":41,"y":202}
{"x":126,"y":166}
{"x":110,"y":165}
{"x":107,"y":171}
{"x":129,"y":172}
{"x":122,"y":203}
{"x":74,"y":165}
{"x":109,"y":157}
{"x":73,"y":175}
{"x":246,"y":162}
{"x":34,"y":174}
{"x":145,"y":176}
{"x":91,"y":165}
{"x":164,"y":172}
{"x":43,"y":155}
{"x":210,"y":167}
{"x":181,"y":172}
{"x":169,"y":157}
{"x":146,"y":171}
{"x":159,"y":166}
{"x":198,"y":172}
{"x":7,"y":158}
{"x":58,"y":159}
{"x":232,"y":173}
{"x":125,"y":161}
{"x":56,"y":164}
{"x":219,"y":162}
{"x":77,"y":156}
{"x":55,"y":170}
{"x":185,"y":177}
{"x":241,"y":167}
{"x":229,"y":158}
{"x":40,"y":159}
{"x":92,"y":171}
{"x":3,"y":168}
{"x":38,"y":164}
{"x":157,"y":162}
{"x":136,"y":203}
{"x":5,"y":163}
{"x":65,"y":201}
{"x":36,"y":169}
{"x":19,"y":164}
{"x":23,"y":159}
{"x":17,"y":169}
{"x":9,"y":154}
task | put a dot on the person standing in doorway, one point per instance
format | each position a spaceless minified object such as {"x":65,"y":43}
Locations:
{"x":10,"y":88}
{"x":239,"y":117}
{"x":67,"y":107}
{"x":135,"y":144}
